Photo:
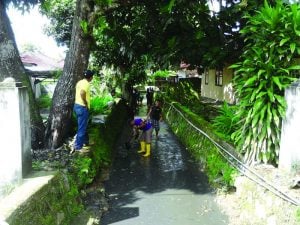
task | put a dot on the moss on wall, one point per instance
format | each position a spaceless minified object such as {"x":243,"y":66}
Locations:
{"x":54,"y":203}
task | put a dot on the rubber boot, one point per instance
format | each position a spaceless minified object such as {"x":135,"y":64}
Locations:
{"x":148,"y":150}
{"x":143,"y":145}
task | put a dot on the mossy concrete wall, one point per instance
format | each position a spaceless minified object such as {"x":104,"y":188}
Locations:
{"x":53,"y":201}
{"x":195,"y":141}
{"x":198,"y":136}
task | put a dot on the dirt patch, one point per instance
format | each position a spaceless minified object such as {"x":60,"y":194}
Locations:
{"x":252,"y":204}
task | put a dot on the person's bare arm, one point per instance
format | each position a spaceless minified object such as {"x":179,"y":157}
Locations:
{"x":83,"y":97}
{"x":149,"y":113}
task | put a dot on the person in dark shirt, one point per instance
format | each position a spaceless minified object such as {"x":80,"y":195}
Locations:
{"x":155,"y":115}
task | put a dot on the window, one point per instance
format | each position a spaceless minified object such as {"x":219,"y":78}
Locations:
{"x":206,"y":76}
{"x":219,"y":77}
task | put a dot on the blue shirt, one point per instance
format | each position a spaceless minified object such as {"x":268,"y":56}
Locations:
{"x":139,"y":121}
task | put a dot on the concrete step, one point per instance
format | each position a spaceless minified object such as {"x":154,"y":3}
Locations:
{"x":30,"y":185}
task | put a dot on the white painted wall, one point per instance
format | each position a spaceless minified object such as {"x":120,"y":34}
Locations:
{"x":15,"y":135}
{"x":289,"y":155}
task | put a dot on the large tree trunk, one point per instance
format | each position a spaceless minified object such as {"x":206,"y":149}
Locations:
{"x":75,"y":64}
{"x":11,"y":66}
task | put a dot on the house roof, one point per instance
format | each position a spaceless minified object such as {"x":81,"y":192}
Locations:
{"x":184,"y":65}
{"x":37,"y":61}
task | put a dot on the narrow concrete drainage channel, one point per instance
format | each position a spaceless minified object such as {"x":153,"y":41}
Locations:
{"x":168,"y":188}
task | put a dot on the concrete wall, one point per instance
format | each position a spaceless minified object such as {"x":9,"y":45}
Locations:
{"x":222,"y":93}
{"x":289,"y":156}
{"x":15,"y":151}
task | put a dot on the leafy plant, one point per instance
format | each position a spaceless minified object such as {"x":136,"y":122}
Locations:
{"x":37,"y":165}
{"x":183,"y":93}
{"x":85,"y":171}
{"x":217,"y":167}
{"x":265,"y":70}
{"x":225,"y":122}
{"x":99,"y":104}
{"x":44,"y":101}
{"x":162,"y":73}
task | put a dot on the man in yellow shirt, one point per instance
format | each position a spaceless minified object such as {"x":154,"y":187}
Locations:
{"x":81,"y":109}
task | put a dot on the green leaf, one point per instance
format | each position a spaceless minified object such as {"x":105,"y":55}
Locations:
{"x":171,"y":5}
{"x":295,"y":67}
{"x":262,"y":114}
{"x":255,"y":120}
{"x":277,"y":82}
{"x":260,"y":72}
{"x":276,"y":117}
{"x":257,"y":106}
{"x":271,"y":96}
{"x":293,"y":47}
{"x":280,"y":99}
{"x":269,"y":116}
{"x":84,"y":26}
{"x":237,"y":65}
{"x":283,"y":41}
{"x":250,"y":81}
{"x":262,"y":93}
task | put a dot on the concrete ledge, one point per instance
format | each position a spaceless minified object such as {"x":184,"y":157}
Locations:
{"x":21,"y":194}
{"x":45,"y":198}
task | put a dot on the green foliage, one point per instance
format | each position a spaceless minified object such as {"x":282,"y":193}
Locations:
{"x":186,"y":95}
{"x":37,"y":165}
{"x":85,"y":171}
{"x":298,"y":214}
{"x":99,"y":104}
{"x":262,"y":75}
{"x":137,"y":35}
{"x":162,"y":73}
{"x":217,"y":167}
{"x":183,"y":93}
{"x":44,"y":102}
{"x":23,"y":5}
{"x":225,"y":123}
{"x":84,"y":26}
{"x":56,"y":74}
{"x":60,"y":13}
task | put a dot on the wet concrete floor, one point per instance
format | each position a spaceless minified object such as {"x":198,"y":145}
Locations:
{"x":168,"y":188}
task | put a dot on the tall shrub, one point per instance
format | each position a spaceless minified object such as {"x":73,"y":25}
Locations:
{"x":265,"y":70}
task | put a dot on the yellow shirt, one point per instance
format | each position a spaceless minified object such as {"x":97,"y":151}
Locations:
{"x":85,"y":86}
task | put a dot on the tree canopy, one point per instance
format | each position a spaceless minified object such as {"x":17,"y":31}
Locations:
{"x":161,"y":32}
{"x":22,"y":4}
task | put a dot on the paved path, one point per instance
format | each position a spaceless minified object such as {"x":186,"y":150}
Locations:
{"x":166,"y":189}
